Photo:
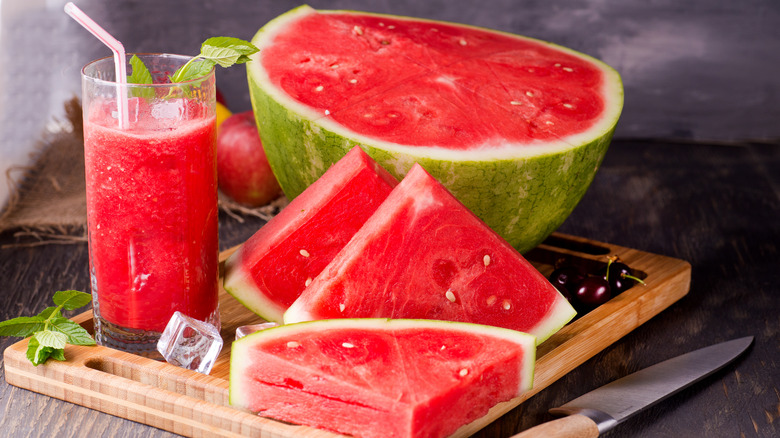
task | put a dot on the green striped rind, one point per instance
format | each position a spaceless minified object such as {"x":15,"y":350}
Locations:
{"x":239,"y":357}
{"x":522,"y":193}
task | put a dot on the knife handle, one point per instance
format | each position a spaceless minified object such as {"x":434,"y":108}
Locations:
{"x":571,"y":426}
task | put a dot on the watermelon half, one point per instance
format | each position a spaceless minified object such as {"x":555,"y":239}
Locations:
{"x":514,"y":127}
{"x":378,"y":377}
{"x":271,"y":269}
{"x":423,"y":255}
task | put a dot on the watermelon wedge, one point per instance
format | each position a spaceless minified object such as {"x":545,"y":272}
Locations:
{"x":378,"y":377}
{"x":423,"y":255}
{"x":269,"y":271}
{"x":514,"y":127}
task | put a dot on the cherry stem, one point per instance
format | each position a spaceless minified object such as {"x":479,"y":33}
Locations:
{"x":638,"y":280}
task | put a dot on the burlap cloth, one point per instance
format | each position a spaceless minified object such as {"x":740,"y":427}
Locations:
{"x":47,"y":201}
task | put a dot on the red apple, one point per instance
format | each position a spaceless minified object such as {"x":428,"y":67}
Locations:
{"x":242,"y":167}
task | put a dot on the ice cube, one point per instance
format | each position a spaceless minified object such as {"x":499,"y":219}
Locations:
{"x":248,"y":329}
{"x":190,"y":343}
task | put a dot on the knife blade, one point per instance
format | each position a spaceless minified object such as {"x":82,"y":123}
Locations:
{"x":607,"y":406}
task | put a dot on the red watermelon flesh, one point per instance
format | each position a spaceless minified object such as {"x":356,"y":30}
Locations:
{"x":423,"y":255}
{"x":379,"y":377}
{"x":445,"y":97}
{"x":273,"y":266}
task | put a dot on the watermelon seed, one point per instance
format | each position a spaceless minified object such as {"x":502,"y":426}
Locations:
{"x":391,"y":27}
{"x":568,"y":105}
{"x":327,"y":112}
{"x":450,"y":296}
{"x":304,"y":253}
{"x":486,"y":260}
{"x":381,"y":24}
{"x":341,"y":307}
{"x":334,"y":66}
{"x":353,"y":81}
{"x":568,"y":69}
{"x":529,"y":94}
{"x":462,"y":42}
{"x":443,"y":347}
{"x":308,"y":282}
{"x":292,"y":344}
{"x":491,"y":300}
{"x":347,"y":345}
{"x":557,"y":64}
{"x":506,"y":305}
{"x":319,"y":88}
{"x":463,"y":372}
{"x":514,"y":102}
{"x":358,"y":30}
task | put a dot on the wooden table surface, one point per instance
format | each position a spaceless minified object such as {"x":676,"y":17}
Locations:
{"x":714,"y":205}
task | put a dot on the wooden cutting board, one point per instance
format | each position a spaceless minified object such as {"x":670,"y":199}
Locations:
{"x":193,"y":404}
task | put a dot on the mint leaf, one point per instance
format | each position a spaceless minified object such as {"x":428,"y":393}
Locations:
{"x":72,"y":299}
{"x":50,"y":338}
{"x":227,"y":51}
{"x":140,"y":74}
{"x":75,"y":333}
{"x":36,"y":353}
{"x":192,"y":70}
{"x":58,"y":354}
{"x":22,"y":326}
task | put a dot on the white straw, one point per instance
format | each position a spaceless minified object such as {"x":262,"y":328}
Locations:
{"x":119,"y":57}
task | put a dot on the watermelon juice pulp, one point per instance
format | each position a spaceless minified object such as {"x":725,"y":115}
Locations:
{"x":152,"y":216}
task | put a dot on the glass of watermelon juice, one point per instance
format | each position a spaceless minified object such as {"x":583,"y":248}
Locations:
{"x":152,"y":213}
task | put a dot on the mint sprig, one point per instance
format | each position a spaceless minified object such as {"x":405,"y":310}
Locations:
{"x":225,"y":51}
{"x":49,"y":331}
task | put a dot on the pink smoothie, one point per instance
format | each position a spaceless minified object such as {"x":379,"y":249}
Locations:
{"x":152,"y":214}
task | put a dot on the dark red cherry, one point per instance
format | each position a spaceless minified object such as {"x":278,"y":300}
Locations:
{"x":592,"y":292}
{"x":566,"y":279}
{"x":618,"y":282}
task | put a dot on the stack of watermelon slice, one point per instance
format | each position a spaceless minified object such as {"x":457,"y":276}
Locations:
{"x":396,"y":278}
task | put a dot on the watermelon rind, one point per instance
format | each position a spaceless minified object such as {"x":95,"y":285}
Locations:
{"x":242,"y":287}
{"x":238,"y":394}
{"x":523,"y":193}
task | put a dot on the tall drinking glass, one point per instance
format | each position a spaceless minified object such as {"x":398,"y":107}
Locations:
{"x":151,"y":201}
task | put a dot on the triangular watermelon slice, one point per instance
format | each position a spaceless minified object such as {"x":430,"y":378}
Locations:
{"x":378,"y":377}
{"x":273,"y":266}
{"x":424,"y":255}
